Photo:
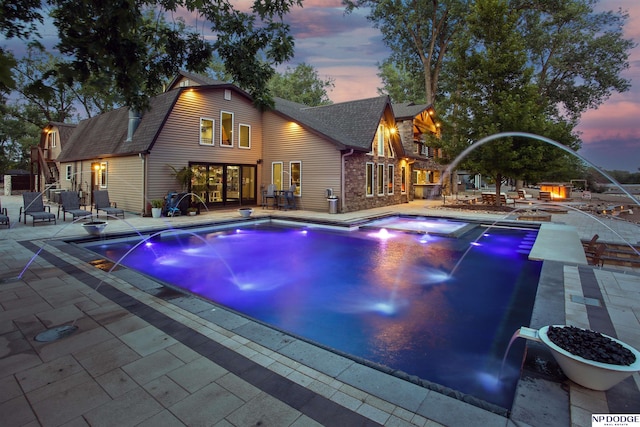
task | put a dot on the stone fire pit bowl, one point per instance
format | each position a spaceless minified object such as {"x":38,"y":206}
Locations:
{"x":95,"y":228}
{"x":589,"y":373}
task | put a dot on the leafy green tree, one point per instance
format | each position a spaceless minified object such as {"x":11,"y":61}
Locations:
{"x":16,"y":137}
{"x":301,"y":84}
{"x":423,"y":30}
{"x":19,"y":19}
{"x":399,"y":80}
{"x":577,"y":54}
{"x":127,"y":45}
{"x":495,"y":93}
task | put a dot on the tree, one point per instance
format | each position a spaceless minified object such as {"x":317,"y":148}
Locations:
{"x":495,"y":93}
{"x":577,"y":54}
{"x":399,"y":80}
{"x":301,"y":84}
{"x":17,"y":19}
{"x":421,"y":31}
{"x":127,"y":45}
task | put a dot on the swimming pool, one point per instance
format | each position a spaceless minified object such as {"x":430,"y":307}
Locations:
{"x":380,"y":295}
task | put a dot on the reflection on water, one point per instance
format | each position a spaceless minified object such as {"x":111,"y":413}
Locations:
{"x":385,"y":296}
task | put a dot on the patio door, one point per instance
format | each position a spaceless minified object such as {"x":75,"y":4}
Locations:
{"x":224,"y":185}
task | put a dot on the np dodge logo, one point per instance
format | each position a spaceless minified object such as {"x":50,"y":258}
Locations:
{"x":615,"y":420}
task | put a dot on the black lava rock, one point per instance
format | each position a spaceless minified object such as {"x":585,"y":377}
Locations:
{"x":590,"y":345}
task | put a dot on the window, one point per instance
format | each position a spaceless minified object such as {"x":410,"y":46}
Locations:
{"x":102,"y":175}
{"x":226,"y":129}
{"x":389,"y":149}
{"x":276,"y":174}
{"x":244,"y":136}
{"x":54,"y":139}
{"x":69,"y":172}
{"x":380,"y":179}
{"x":381,"y":140}
{"x":369,"y":179}
{"x":185,"y":83}
{"x":390,"y":179}
{"x":206,"y":131}
{"x":227,"y":94}
{"x":403,"y":179}
{"x":296,"y":176}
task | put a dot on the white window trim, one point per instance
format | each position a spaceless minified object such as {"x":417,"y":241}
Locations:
{"x":299,"y":185}
{"x":281,"y":173}
{"x":240,"y":126}
{"x":222,"y":127}
{"x":391,"y":179}
{"x":381,"y":140}
{"x":373,"y":179}
{"x":227,"y":94}
{"x":404,"y":171}
{"x":213,"y":132}
{"x":68,"y":172}
{"x":103,"y":172}
{"x":380,"y":167}
{"x":54,"y":139}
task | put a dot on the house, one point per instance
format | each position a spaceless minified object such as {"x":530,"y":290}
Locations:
{"x":45,"y":171}
{"x":362,"y":151}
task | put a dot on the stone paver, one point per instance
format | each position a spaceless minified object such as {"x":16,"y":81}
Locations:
{"x":120,"y":369}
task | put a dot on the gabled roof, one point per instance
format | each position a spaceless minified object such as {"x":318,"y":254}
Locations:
{"x":65,"y":130}
{"x":408,"y":110}
{"x":105,"y":135}
{"x":200,"y":80}
{"x":350,"y":124}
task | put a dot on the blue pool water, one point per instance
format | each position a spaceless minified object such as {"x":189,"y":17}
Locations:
{"x":384,"y":296}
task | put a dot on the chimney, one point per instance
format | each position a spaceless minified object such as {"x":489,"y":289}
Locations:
{"x":134,"y":121}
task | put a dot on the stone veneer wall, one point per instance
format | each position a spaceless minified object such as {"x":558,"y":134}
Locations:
{"x":355,"y":170}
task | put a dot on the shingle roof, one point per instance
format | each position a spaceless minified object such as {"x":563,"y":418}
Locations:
{"x":197,"y":78}
{"x":350,"y":124}
{"x":407,"y":110}
{"x":105,"y":135}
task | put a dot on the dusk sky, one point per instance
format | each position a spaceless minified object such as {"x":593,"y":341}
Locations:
{"x":347,"y":49}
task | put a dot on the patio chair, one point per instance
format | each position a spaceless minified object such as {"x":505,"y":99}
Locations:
{"x":35,"y":208}
{"x":102,"y":203}
{"x":70,"y":204}
{"x":288,"y":198}
{"x":4,"y":217}
{"x":269,"y":194}
{"x":522,"y":194}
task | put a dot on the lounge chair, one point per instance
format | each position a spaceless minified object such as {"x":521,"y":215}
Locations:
{"x":4,"y":217}
{"x":35,"y":208}
{"x":70,"y":204}
{"x":269,"y":194}
{"x":102,"y":203}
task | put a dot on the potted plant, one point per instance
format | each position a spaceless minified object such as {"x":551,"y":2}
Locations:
{"x":183,"y":176}
{"x":156,"y":208}
{"x":191,"y":211}
{"x":589,"y":358}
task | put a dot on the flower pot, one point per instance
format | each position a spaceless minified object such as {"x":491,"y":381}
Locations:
{"x":589,"y":373}
{"x":156,"y":212}
{"x":245,"y":212}
{"x":95,"y":228}
{"x":192,"y":213}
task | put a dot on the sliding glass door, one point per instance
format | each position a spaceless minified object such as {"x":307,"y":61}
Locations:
{"x":224,"y":185}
